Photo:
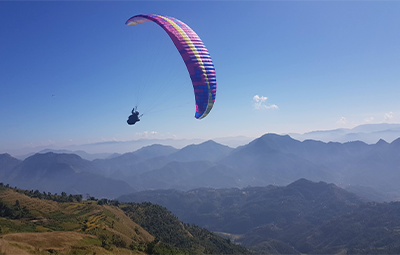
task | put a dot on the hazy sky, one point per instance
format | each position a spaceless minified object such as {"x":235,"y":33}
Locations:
{"x":70,"y":72}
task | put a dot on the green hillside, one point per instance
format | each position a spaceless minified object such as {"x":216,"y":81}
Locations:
{"x":42,"y":223}
{"x":177,"y":236}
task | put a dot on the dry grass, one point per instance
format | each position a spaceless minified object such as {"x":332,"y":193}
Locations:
{"x":60,"y":242}
{"x":7,"y":247}
{"x":33,"y":204}
{"x":48,"y":240}
{"x":76,"y":219}
{"x":40,"y":243}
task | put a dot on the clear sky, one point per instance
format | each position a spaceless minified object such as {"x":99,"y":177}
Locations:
{"x":70,"y":72}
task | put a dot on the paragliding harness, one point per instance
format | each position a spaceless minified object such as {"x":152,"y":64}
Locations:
{"x":135,"y":117}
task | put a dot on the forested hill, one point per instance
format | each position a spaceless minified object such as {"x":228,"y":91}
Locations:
{"x":303,"y":217}
{"x":239,"y":210}
{"x":44,"y":223}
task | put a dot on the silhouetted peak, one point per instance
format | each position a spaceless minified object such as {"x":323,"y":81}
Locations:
{"x":278,"y":139}
{"x":314,"y":187}
{"x":274,"y":141}
{"x":301,"y":182}
{"x":51,"y":156}
{"x":307,"y":184}
{"x":205,"y":145}
{"x":382,"y":142}
{"x":276,"y":136}
{"x":209,"y":142}
{"x":5,"y":155}
{"x":156,"y":150}
{"x":208,"y":150}
{"x":7,"y":158}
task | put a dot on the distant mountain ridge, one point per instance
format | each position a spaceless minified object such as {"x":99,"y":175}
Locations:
{"x":127,"y":162}
{"x":269,"y":159}
{"x":56,"y":173}
{"x":80,"y":153}
{"x":209,"y":150}
{"x":368,"y":133}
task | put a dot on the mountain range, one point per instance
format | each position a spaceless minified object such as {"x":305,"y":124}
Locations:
{"x":368,"y":133}
{"x":101,"y":150}
{"x":270,"y":159}
{"x":56,"y":173}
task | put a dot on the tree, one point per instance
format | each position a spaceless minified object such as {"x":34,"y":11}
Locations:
{"x":79,"y":198}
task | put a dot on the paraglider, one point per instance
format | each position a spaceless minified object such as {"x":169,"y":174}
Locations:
{"x":195,"y":55}
{"x":134,"y":117}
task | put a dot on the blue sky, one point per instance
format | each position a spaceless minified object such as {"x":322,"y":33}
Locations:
{"x":281,"y":66}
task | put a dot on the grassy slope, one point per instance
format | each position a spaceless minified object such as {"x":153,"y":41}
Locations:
{"x":48,"y":242}
{"x":68,"y":228}
{"x":49,"y":227}
{"x":173,"y":236}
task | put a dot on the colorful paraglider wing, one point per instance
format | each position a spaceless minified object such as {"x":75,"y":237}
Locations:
{"x":197,"y":59}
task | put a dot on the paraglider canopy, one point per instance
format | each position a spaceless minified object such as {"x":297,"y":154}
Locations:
{"x":195,"y":55}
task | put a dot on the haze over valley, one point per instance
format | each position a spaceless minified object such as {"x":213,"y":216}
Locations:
{"x":270,"y":159}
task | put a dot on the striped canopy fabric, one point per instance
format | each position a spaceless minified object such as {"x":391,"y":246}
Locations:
{"x":195,"y":55}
